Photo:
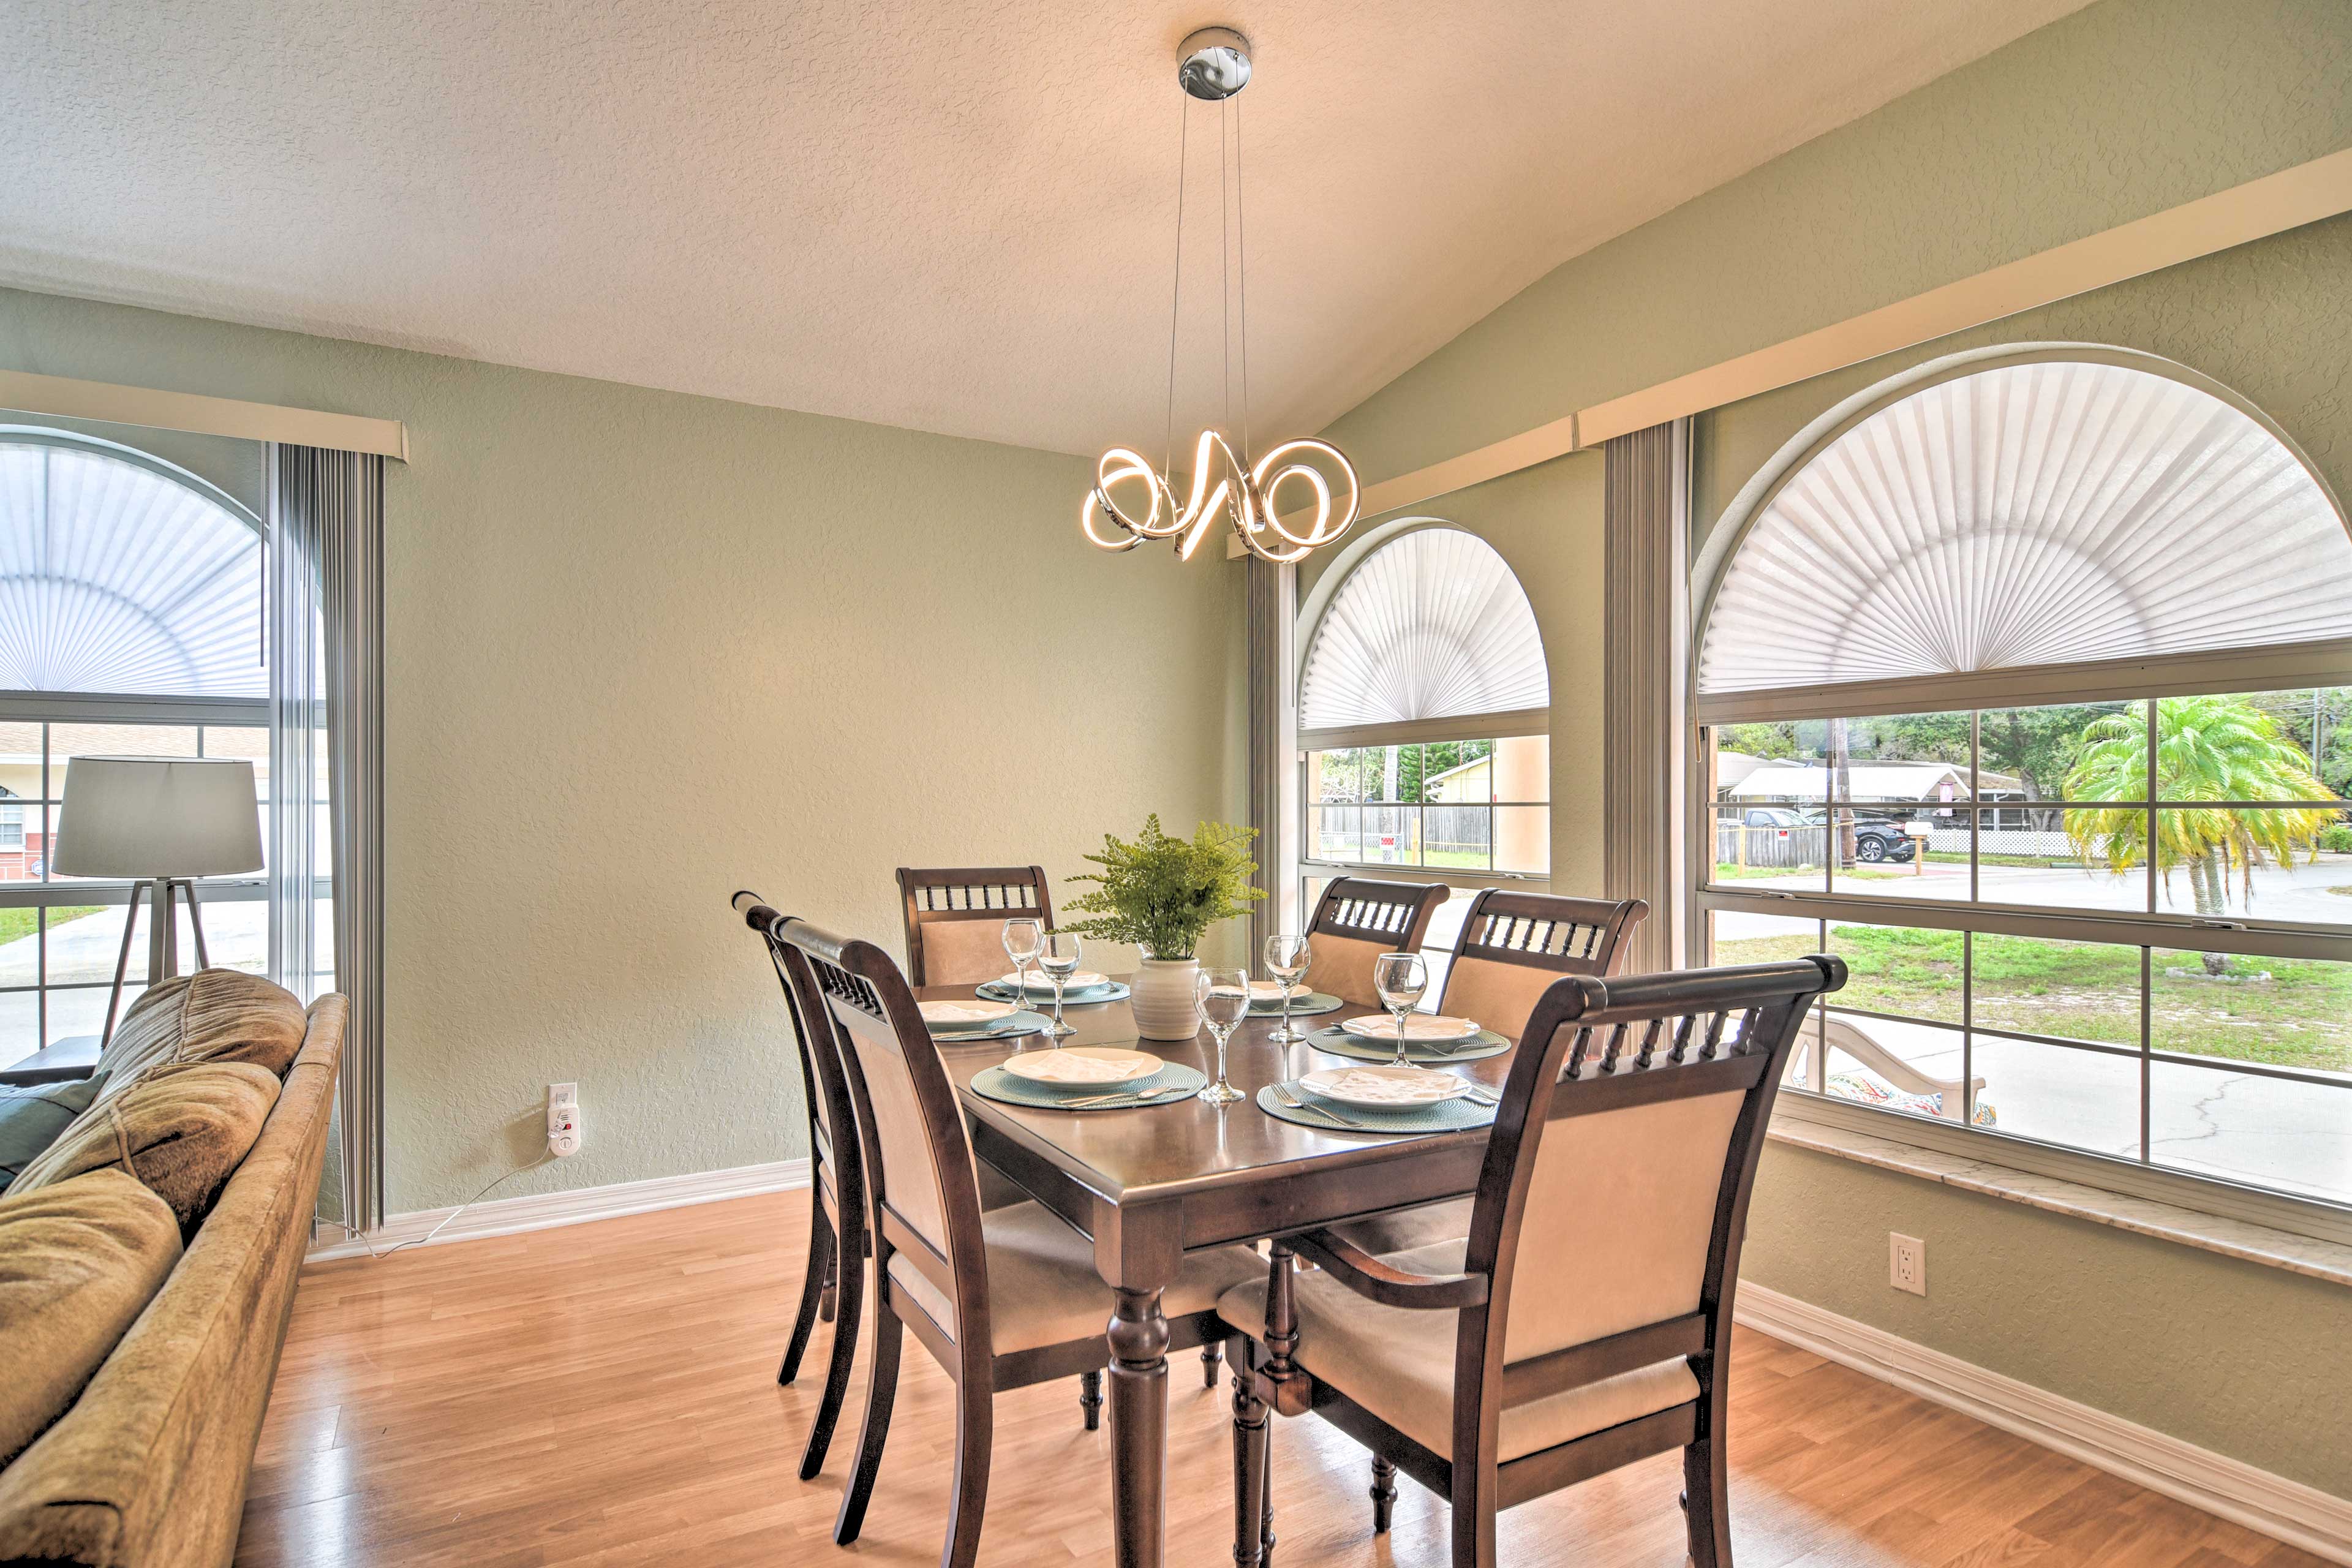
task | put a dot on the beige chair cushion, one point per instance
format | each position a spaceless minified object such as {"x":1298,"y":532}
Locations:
{"x":1042,"y":1289}
{"x":78,"y":1260}
{"x":1500,"y":997}
{"x":1343,"y":967}
{"x":1408,"y":1229}
{"x":211,"y":1015}
{"x":965,"y":952}
{"x":182,"y":1131}
{"x":1398,"y":1365}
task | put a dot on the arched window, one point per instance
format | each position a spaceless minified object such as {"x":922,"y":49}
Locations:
{"x":2024,"y":686}
{"x":130,"y":623}
{"x":1423,"y":717}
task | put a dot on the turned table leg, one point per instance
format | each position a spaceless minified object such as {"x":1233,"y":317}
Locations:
{"x":1139,"y":1427}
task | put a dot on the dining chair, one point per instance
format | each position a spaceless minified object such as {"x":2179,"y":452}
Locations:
{"x":1357,"y":920}
{"x":955,"y":919}
{"x":1002,"y":1300}
{"x":1512,"y":947}
{"x":955,"y":936}
{"x":1585,"y":1321}
{"x":829,"y":1292}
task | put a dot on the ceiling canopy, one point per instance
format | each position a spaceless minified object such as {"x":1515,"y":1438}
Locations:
{"x":116,"y":578}
{"x":1431,"y":626}
{"x":2036,"y":514}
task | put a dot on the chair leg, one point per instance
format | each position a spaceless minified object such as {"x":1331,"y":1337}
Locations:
{"x":1708,"y":1501}
{"x":829,"y":1305}
{"x":1383,"y":1495}
{"x":1266,"y":1485}
{"x":1090,"y":1399}
{"x":813,"y":1292}
{"x":1474,"y":1519}
{"x":881,"y":1392}
{"x":850,"y":1286}
{"x":1251,"y":1503}
{"x":1211,"y":1354}
{"x":974,"y":1437}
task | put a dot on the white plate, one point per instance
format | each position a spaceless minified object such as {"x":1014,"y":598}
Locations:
{"x":1268,"y":993}
{"x":974,"y":1014}
{"x":1435,"y":1026}
{"x":1084,"y":980}
{"x":1385,"y":1089}
{"x":1075,"y":1065}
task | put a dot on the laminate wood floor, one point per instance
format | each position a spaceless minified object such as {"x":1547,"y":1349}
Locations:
{"x":606,"y":1394}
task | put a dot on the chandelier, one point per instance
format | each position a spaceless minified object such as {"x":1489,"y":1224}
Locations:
{"x":1132,"y":501}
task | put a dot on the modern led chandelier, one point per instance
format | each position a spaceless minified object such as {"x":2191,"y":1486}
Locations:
{"x":1213,"y":65}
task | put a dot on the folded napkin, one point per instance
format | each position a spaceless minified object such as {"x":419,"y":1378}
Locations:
{"x":963,"y":1015}
{"x":1073,"y":1067}
{"x":1386,"y":1089}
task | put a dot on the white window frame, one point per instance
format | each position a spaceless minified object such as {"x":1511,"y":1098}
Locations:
{"x":2231,"y":670}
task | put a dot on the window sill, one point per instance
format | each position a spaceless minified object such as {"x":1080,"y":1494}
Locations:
{"x":2243,"y":1239}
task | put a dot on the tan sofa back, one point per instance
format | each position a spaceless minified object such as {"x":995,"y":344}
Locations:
{"x":150,"y":1466}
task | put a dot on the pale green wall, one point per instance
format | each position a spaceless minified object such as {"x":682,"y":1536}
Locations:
{"x":2125,"y":108}
{"x":643,"y":649}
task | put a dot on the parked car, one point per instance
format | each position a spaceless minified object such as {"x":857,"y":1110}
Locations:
{"x":1877,"y":838}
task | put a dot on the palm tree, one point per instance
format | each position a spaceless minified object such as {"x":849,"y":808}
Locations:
{"x":2208,"y":748}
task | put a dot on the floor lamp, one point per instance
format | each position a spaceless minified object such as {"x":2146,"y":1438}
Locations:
{"x":163,"y":821}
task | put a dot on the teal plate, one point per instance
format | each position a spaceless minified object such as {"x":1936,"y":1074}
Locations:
{"x":1313,"y":1005}
{"x":995,"y":991}
{"x":1176,"y":1081}
{"x":1446,"y":1116}
{"x":1339,"y":1043}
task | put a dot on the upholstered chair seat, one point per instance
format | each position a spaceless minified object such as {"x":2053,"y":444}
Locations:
{"x":1398,"y":1362}
{"x":1044,"y":1289}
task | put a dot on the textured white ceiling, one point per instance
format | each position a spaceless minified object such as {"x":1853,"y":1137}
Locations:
{"x":949,"y":217}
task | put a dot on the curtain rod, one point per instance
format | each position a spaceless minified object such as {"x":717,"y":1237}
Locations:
{"x":60,"y":397}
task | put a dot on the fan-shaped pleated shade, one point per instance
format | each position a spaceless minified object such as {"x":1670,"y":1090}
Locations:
{"x":114,"y":578}
{"x":1431,"y":626}
{"x":2036,"y":514}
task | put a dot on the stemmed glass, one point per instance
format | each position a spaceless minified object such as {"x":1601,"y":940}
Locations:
{"x":1023,"y":940}
{"x":1059,"y":959}
{"x":1400,"y":978}
{"x":1223,"y":996}
{"x":1287,"y":959}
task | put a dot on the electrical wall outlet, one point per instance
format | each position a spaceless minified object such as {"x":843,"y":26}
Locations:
{"x":563,"y":1133}
{"x":1906,"y":1263}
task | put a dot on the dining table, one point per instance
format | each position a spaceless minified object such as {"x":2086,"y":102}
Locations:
{"x":1148,"y":1184}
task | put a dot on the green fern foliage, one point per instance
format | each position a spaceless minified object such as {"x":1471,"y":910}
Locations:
{"x":1162,"y":893}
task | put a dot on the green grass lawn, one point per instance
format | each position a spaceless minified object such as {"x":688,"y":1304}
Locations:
{"x":2300,"y":1017}
{"x":15,"y":923}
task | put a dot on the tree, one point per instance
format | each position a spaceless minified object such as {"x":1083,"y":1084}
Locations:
{"x":2212,"y":749}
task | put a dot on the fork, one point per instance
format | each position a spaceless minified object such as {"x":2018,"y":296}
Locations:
{"x":1291,"y":1101}
{"x":1098,"y":1101}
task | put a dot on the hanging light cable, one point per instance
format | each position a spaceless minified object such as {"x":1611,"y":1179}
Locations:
{"x":1131,"y":501}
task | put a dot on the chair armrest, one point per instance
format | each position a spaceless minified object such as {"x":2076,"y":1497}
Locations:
{"x":1375,"y":1281}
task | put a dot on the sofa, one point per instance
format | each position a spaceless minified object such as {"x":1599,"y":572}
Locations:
{"x":152,"y":1211}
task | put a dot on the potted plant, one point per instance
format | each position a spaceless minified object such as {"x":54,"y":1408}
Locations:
{"x":1162,"y":894}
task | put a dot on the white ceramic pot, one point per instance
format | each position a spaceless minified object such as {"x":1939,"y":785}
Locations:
{"x":1162,"y":999}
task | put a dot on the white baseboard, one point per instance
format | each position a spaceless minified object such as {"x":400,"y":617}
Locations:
{"x":2317,"y":1522}
{"x":544,"y":1211}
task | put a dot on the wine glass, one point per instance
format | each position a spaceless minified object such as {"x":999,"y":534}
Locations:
{"x":1023,"y":940}
{"x":1287,"y":959}
{"x":1059,"y":959}
{"x":1400,"y":978}
{"x":1223,"y":996}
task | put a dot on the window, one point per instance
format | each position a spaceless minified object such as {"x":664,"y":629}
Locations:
{"x":1423,"y":722}
{"x":1968,"y":720}
{"x":130,"y":623}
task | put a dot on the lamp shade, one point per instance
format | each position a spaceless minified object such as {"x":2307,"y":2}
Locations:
{"x":158,"y":816}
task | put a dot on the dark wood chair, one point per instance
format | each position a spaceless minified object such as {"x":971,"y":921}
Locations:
{"x":837,"y":1204}
{"x":1002,"y":1298}
{"x":955,"y":919}
{"x":1511,"y":949}
{"x":1585,"y":1321}
{"x":1356,"y":921}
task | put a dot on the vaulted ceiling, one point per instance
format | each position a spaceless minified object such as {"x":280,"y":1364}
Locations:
{"x":955,"y":218}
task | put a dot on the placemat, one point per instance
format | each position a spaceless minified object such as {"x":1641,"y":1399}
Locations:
{"x":1312,"y":1005}
{"x":997,"y":992}
{"x":1338,"y":1043}
{"x":1021,"y":1022}
{"x":1446,"y":1116}
{"x":996,"y":1083}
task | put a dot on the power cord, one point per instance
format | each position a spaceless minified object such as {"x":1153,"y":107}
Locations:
{"x":361,"y":1237}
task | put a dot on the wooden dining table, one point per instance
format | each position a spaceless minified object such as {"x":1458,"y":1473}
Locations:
{"x":1147,"y":1185}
